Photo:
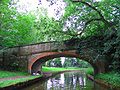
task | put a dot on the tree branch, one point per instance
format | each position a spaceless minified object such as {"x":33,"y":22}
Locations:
{"x":62,"y":32}
{"x":94,"y":8}
{"x":102,"y":18}
{"x":88,"y":22}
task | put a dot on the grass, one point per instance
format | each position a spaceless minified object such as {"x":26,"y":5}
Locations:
{"x":16,"y":81}
{"x":5,"y":74}
{"x":88,"y":70}
{"x":112,"y":78}
{"x":56,"y":69}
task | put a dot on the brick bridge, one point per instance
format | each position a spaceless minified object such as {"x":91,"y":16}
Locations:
{"x":30,"y":57}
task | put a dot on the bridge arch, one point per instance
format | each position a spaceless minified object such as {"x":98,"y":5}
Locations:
{"x":35,"y":63}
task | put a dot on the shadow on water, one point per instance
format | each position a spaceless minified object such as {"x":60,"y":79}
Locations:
{"x":67,"y":81}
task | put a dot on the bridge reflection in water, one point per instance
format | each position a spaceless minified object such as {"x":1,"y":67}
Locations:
{"x":67,"y":81}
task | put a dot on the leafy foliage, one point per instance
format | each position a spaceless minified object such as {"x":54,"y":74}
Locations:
{"x":69,"y":62}
{"x":112,"y":37}
{"x":88,"y":19}
{"x":100,"y":20}
{"x":16,"y":29}
{"x":112,"y":78}
{"x":56,"y":62}
{"x":75,"y":62}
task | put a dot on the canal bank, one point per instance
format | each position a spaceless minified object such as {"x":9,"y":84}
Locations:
{"x":47,"y":75}
{"x":27,"y":83}
{"x":102,"y":83}
{"x":67,"y":81}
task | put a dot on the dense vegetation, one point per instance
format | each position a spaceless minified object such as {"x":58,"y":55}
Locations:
{"x":20,"y":28}
{"x":111,"y":78}
{"x":100,"y":25}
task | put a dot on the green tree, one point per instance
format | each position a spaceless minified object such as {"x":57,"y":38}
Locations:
{"x":56,"y":62}
{"x":15,"y":29}
{"x":97,"y":19}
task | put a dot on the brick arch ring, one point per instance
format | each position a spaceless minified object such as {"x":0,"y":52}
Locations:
{"x":35,"y":63}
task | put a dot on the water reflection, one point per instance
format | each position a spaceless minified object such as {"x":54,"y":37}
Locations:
{"x":67,"y":81}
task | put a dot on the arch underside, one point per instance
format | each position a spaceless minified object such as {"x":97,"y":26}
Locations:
{"x":36,"y":63}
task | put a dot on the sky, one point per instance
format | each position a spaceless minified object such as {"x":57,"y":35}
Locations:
{"x":97,"y":0}
{"x":55,"y":8}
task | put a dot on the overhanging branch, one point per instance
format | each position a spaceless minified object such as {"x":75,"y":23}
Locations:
{"x":66,"y":33}
{"x":102,"y":18}
{"x":94,"y":8}
{"x":88,"y":22}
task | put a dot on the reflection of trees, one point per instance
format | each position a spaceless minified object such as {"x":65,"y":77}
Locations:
{"x":72,"y":81}
{"x":79,"y":81}
{"x":57,"y":77}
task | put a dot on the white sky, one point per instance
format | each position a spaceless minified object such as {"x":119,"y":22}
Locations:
{"x":53,"y":10}
{"x":97,"y":0}
{"x":25,"y":6}
{"x":62,"y":60}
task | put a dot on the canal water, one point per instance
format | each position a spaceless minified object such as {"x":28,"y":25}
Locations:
{"x":67,"y":81}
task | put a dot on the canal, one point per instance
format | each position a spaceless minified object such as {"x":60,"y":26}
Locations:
{"x":67,"y":81}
